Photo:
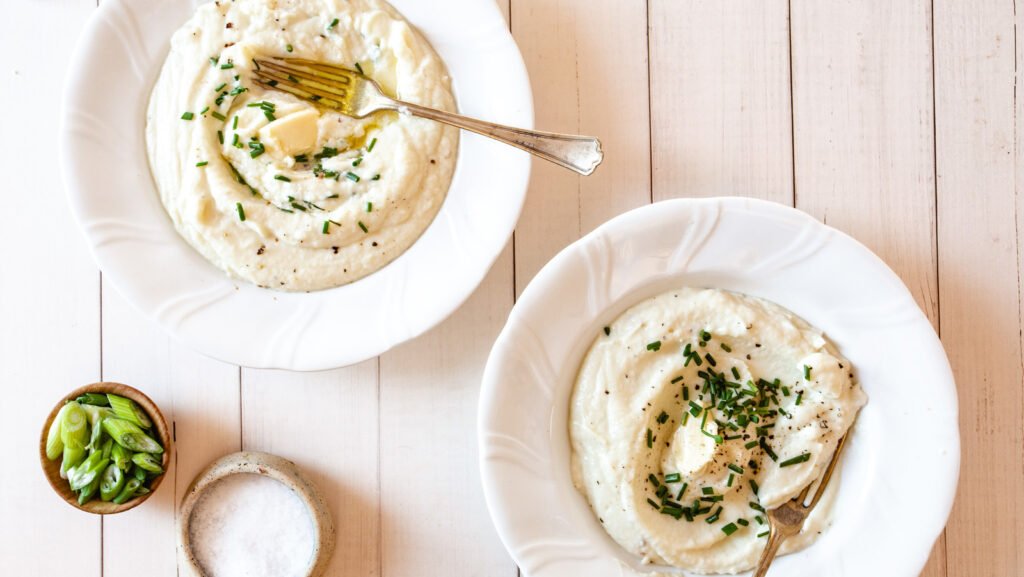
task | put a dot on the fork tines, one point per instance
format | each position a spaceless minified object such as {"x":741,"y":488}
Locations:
{"x":323,"y":83}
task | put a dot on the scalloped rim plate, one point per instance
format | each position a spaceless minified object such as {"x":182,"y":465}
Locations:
{"x":901,"y":464}
{"x":114,"y":199}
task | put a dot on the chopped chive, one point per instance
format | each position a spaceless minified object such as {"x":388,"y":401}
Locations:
{"x":767,"y":449}
{"x":759,"y":519}
{"x":298,"y":206}
{"x":357,"y":161}
{"x":707,"y":490}
{"x":241,"y":211}
{"x":736,"y":373}
{"x":654,"y":346}
{"x":799,"y":397}
{"x":373,"y":142}
{"x":754,"y":487}
{"x":203,"y":163}
{"x":332,"y":24}
{"x":650,"y":439}
{"x":653,"y":503}
{"x":227,"y":65}
{"x":221,"y":87}
{"x":363,"y":226}
{"x":685,"y":419}
{"x":327,"y":225}
{"x":237,"y":90}
{"x":234,"y":123}
{"x":270,"y":115}
{"x":695,"y":409}
{"x":661,"y":493}
{"x":682,"y":490}
{"x":686,"y":393}
{"x":375,"y":177}
{"x":352,"y":176}
{"x":729,"y":482}
{"x":807,"y":373}
{"x":673,"y":478}
{"x":711,"y":359}
{"x":726,"y":348}
{"x":801,"y":458}
{"x":677,"y":379}
{"x":218,"y":116}
{"x":187,"y":116}
{"x":369,"y":207}
{"x":730,"y":529}
{"x":756,"y":506}
{"x":764,"y":534}
{"x":736,"y":468}
{"x":360,"y":69}
{"x":705,"y":336}
{"x":257,"y":148}
{"x":302,"y":158}
{"x":236,"y":140}
{"x":282,"y":178}
{"x":714,"y":517}
{"x":203,"y":111}
{"x":653,"y":479}
{"x":743,"y":522}
{"x":220,"y":136}
{"x":288,"y":47}
{"x":213,"y":61}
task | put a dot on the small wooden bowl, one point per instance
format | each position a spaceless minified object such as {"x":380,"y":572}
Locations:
{"x":52,"y":468}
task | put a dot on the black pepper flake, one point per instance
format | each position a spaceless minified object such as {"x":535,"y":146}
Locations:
{"x":261,"y":250}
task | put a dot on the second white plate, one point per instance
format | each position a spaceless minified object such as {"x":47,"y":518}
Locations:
{"x":901,"y":466}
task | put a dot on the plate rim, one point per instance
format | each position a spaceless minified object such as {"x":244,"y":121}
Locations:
{"x":519,"y":104}
{"x":491,"y":379}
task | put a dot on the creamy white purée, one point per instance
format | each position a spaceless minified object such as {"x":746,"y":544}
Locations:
{"x":634,"y":452}
{"x":275,"y":190}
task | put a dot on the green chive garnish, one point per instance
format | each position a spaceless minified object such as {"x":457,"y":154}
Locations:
{"x":241,"y":211}
{"x":650,"y":439}
{"x":743,"y":522}
{"x":288,"y":47}
{"x":203,"y":111}
{"x":807,"y":373}
{"x":282,"y":178}
{"x":352,"y":176}
{"x":736,"y":373}
{"x":654,"y":480}
{"x":218,"y":116}
{"x":187,"y":116}
{"x":369,"y":207}
{"x":375,"y":177}
{"x":735,"y":467}
{"x":653,"y":503}
{"x":764,"y":534}
{"x":363,"y":226}
{"x":332,"y":24}
{"x":707,"y":490}
{"x":655,"y":346}
{"x":726,"y":348}
{"x":799,"y":397}
{"x":802,"y":458}
{"x":227,"y":65}
{"x":754,"y":487}
{"x":705,"y":336}
{"x":327,"y":225}
{"x":373,"y":143}
{"x":203,"y":163}
{"x":729,"y":482}
{"x":234,"y":123}
{"x":220,"y":136}
{"x":711,"y":359}
{"x":221,"y":87}
{"x":673,"y":478}
{"x":357,"y":161}
{"x":360,"y":69}
{"x":730,"y":529}
{"x":662,"y":418}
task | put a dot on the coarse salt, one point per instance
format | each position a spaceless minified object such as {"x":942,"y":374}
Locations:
{"x":251,"y":525}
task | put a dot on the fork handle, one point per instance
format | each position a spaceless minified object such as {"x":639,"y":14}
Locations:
{"x":578,"y":153}
{"x":775,"y":539}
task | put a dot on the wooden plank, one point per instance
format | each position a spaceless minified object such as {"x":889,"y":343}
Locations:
{"x":50,"y":306}
{"x":198,"y":396}
{"x":429,"y":467}
{"x":429,"y":393}
{"x":720,"y":101}
{"x":864,"y":137}
{"x":327,"y":423}
{"x":979,"y":161}
{"x":588,"y":68}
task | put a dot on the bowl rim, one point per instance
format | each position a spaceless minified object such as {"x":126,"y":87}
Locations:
{"x":512,"y":461}
{"x":51,"y":469}
{"x":193,"y":301}
{"x":266,"y":465}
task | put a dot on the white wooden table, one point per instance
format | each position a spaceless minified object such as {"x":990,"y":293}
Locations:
{"x":895,"y":121}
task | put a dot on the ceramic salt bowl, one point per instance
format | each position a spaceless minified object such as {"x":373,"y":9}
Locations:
{"x":277,"y":468}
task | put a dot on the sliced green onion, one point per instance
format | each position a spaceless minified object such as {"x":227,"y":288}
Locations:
{"x":97,"y":399}
{"x":128,"y":410}
{"x":128,"y":491}
{"x":130,"y":436}
{"x":54,"y":444}
{"x":147,"y":462}
{"x":111,"y":482}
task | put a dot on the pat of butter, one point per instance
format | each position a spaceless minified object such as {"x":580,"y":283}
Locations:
{"x":293,"y":134}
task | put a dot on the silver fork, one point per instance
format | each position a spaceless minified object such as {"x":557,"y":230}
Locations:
{"x":353,"y":94}
{"x":788,"y":518}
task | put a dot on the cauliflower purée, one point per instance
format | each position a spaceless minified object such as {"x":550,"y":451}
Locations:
{"x":694,"y":412}
{"x":275,"y":190}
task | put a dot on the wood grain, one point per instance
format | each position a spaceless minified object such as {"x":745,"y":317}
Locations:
{"x":49,"y":310}
{"x":200,"y":399}
{"x":864,"y":138}
{"x":588,"y":67}
{"x":720,"y":101}
{"x":978,"y":160}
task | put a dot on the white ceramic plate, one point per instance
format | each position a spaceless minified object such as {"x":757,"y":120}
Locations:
{"x":901,"y":465}
{"x":134,"y":242}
